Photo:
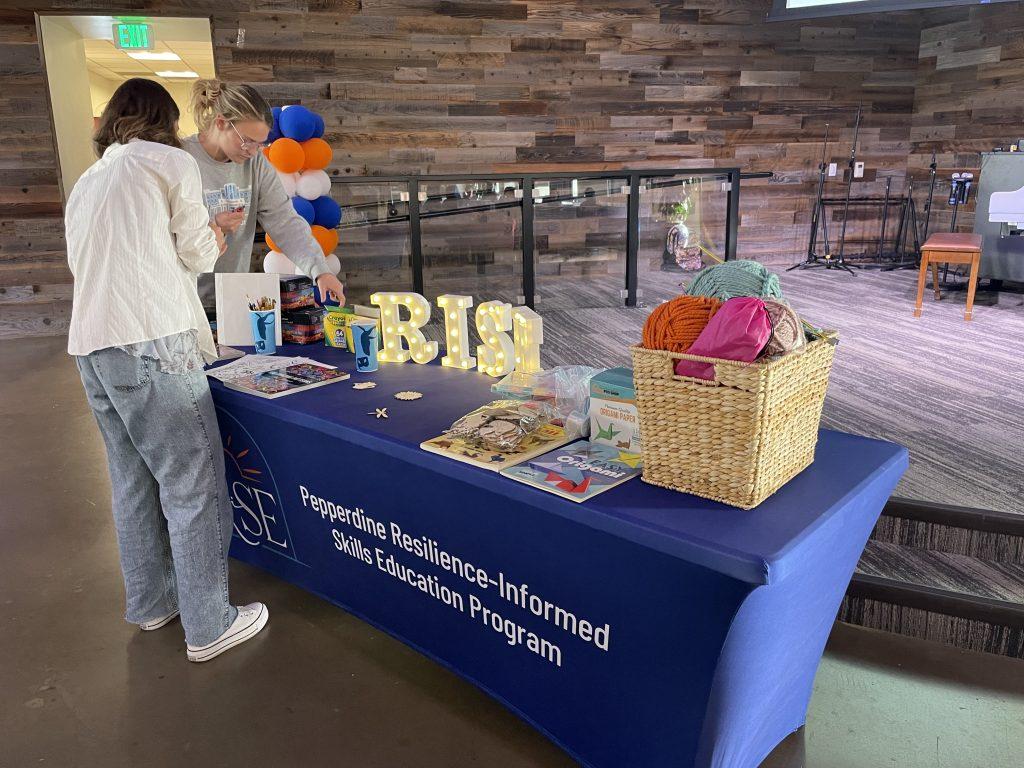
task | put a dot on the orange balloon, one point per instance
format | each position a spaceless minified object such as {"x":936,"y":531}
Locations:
{"x":327,"y":238}
{"x":272,"y":245}
{"x":318,"y":154}
{"x":266,"y":152}
{"x":286,"y":155}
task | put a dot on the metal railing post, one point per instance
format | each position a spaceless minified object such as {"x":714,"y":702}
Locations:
{"x":632,"y":239}
{"x":732,"y":222}
{"x":529,"y":271}
{"x":415,"y":235}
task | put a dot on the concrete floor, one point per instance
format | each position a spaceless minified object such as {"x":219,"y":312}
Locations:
{"x":80,"y":688}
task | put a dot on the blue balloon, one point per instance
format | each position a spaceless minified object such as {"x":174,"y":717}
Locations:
{"x":275,"y":128}
{"x":304,"y":208}
{"x":327,"y":213}
{"x":318,"y":129}
{"x":297,"y":123}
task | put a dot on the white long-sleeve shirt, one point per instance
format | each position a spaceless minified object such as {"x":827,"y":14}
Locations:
{"x":137,"y":236}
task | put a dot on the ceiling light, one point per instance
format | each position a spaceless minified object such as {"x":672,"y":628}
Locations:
{"x":182,"y":74}
{"x":154,"y":55}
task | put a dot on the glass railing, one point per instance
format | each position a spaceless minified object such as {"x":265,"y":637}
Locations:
{"x":548,"y":240}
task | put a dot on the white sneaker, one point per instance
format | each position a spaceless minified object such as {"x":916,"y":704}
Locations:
{"x":251,"y":619}
{"x":149,"y":626}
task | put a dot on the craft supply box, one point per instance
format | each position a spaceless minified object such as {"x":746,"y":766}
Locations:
{"x":613,"y":407}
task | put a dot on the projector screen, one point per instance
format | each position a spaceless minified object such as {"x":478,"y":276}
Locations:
{"x":809,"y":9}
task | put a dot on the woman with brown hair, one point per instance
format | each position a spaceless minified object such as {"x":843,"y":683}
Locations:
{"x":137,"y":236}
{"x":240,"y":185}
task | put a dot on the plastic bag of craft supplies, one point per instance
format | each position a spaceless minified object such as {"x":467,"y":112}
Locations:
{"x":503,"y":424}
{"x":566,"y":388}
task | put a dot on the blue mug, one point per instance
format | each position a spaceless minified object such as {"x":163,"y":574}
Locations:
{"x":364,"y":339}
{"x":264,"y":333}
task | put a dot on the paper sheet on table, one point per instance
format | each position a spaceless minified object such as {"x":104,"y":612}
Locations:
{"x":252,"y":364}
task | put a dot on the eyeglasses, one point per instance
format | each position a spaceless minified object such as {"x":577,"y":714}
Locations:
{"x":248,"y":145}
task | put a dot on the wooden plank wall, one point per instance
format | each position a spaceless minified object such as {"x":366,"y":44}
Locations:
{"x":35,"y":284}
{"x":969,"y":96}
{"x":485,"y":85}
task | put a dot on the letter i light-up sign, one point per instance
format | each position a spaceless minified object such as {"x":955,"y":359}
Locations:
{"x":403,"y":314}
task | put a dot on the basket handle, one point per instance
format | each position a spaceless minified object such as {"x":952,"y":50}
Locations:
{"x":712,"y":382}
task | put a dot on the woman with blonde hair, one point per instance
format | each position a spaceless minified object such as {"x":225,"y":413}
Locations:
{"x":241,"y":187}
{"x":137,"y":236}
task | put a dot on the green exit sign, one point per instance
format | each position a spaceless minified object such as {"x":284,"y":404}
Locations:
{"x":133,"y":37}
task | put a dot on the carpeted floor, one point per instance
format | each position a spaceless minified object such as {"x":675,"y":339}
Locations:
{"x":951,"y":391}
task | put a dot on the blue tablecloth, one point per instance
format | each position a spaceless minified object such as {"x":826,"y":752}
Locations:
{"x":641,"y":628}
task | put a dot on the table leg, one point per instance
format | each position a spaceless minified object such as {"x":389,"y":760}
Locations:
{"x":922,"y":276}
{"x":935,"y":279}
{"x":972,"y":285}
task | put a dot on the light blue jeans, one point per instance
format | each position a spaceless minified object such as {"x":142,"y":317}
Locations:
{"x":170,"y":499}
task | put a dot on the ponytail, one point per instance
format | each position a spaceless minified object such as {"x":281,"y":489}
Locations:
{"x":211,"y":99}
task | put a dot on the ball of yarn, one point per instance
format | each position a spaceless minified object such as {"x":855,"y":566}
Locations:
{"x":736,"y":278}
{"x":787,"y":330}
{"x":676,"y":324}
{"x":286,"y":155}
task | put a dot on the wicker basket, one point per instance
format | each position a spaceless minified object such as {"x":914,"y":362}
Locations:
{"x":736,"y":439}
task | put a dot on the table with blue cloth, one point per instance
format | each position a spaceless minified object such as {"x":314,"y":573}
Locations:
{"x":640,"y":628}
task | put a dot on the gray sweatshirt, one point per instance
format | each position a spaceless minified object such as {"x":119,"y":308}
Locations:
{"x":253,"y":186}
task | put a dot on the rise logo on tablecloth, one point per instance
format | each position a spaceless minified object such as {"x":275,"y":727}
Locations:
{"x":259,"y":520}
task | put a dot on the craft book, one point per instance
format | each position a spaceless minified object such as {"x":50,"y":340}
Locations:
{"x":286,"y":381}
{"x":578,"y":471}
{"x":540,"y":441}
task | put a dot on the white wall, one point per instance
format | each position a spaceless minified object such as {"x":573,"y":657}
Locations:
{"x":100,"y":91}
{"x":69,"y":98}
{"x":180,"y":92}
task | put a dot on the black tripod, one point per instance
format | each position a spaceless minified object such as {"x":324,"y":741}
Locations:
{"x":820,"y":213}
{"x":909,"y":227}
{"x":931,"y":195}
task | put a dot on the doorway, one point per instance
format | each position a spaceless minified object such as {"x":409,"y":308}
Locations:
{"x":88,"y":57}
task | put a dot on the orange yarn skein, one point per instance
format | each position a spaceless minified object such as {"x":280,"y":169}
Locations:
{"x":676,"y":324}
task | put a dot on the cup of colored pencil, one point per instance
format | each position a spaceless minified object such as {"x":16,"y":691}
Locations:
{"x":263,"y":316}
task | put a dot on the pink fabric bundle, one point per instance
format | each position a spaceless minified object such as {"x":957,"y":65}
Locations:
{"x":738,"y":331}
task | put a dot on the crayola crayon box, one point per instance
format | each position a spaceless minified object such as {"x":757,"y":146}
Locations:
{"x":336,"y":330}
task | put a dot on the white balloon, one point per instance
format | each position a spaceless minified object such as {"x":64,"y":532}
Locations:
{"x":277,"y":263}
{"x":288,"y":181}
{"x":334,"y":264}
{"x":325,"y":181}
{"x":311,"y":184}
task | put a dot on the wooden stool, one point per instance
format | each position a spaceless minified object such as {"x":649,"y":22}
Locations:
{"x":949,"y":248}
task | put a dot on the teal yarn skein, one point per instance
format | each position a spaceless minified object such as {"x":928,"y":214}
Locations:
{"x":736,"y":278}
